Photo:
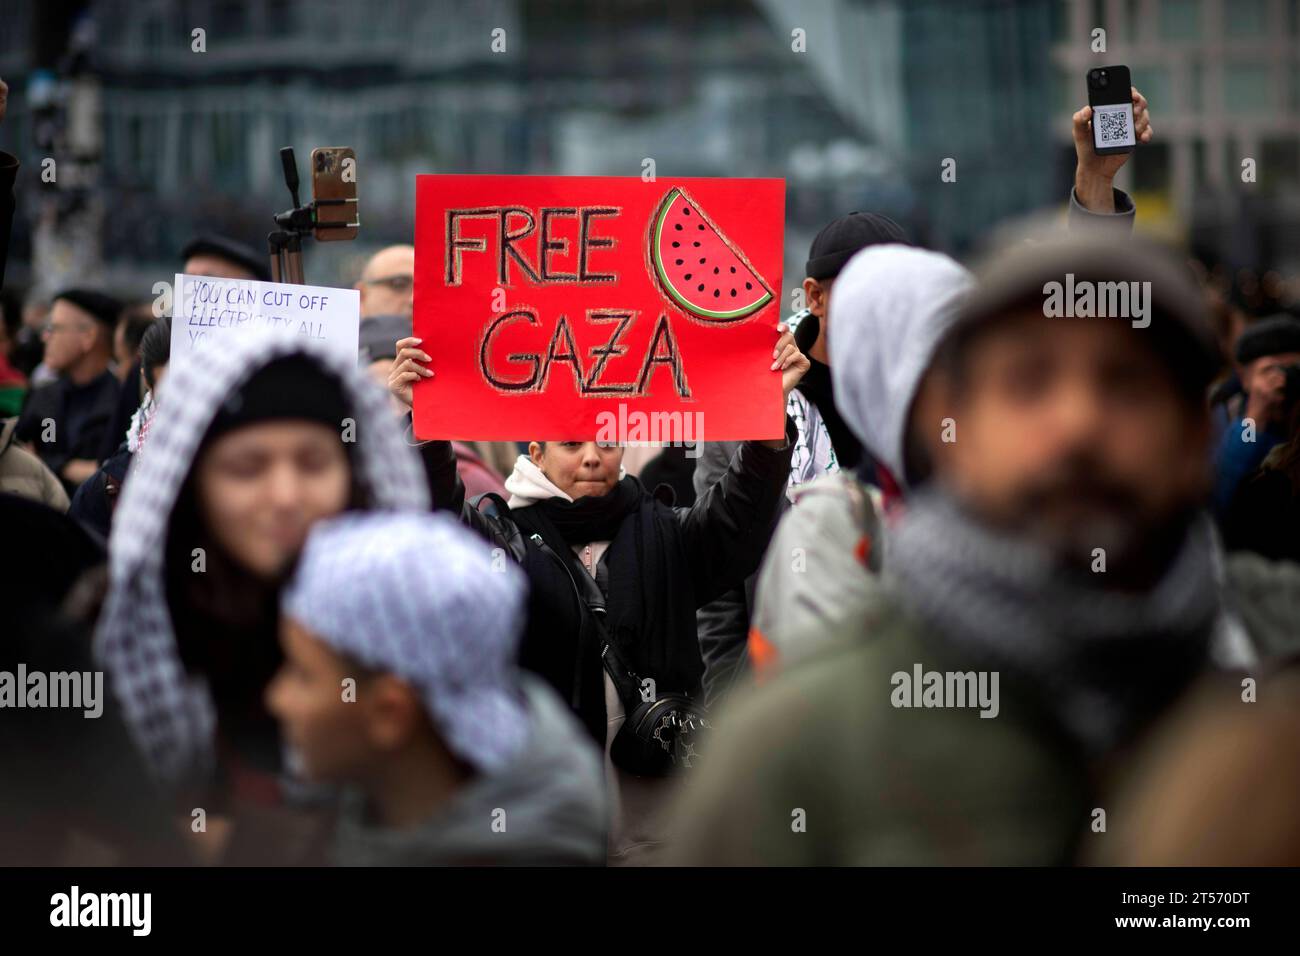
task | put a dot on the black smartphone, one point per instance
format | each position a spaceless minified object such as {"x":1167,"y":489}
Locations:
{"x":1110,"y":95}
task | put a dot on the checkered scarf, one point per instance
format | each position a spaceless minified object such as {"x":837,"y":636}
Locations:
{"x":141,"y":420}
{"x":170,"y":713}
{"x":423,"y":597}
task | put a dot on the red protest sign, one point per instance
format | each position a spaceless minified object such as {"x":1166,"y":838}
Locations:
{"x":551,"y":303}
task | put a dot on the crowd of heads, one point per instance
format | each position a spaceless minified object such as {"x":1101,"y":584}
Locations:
{"x":299,"y":608}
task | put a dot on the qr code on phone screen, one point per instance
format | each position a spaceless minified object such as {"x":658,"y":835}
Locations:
{"x":1113,"y":126}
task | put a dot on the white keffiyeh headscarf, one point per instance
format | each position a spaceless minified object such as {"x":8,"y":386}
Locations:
{"x":170,"y":713}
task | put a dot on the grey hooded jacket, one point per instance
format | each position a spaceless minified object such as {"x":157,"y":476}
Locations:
{"x":546,"y":808}
{"x":725,"y":623}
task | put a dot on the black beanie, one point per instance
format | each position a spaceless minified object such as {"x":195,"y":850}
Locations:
{"x":1271,"y":336}
{"x":246,"y":257}
{"x":843,"y":238}
{"x":293,"y":387}
{"x":103,"y":308}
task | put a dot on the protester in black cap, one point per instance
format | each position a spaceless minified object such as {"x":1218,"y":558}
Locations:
{"x":824,"y":443}
{"x":1264,"y":515}
{"x":1264,"y":352}
{"x":208,"y":255}
{"x":223,"y":258}
{"x":64,"y":422}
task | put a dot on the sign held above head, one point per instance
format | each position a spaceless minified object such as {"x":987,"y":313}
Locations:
{"x":547,"y":301}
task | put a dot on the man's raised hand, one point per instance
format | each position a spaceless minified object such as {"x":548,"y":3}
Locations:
{"x":787,"y":357}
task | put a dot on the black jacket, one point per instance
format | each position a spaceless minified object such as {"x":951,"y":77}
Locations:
{"x":724,"y":622}
{"x":1265,"y":517}
{"x":723,"y":536}
{"x":92,"y":505}
{"x":49,"y":402}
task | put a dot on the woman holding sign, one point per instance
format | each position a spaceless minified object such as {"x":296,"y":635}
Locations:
{"x":616,"y":577}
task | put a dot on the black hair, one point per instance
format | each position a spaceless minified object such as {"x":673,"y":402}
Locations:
{"x":226,"y":620}
{"x":135,"y":322}
{"x":156,"y":348}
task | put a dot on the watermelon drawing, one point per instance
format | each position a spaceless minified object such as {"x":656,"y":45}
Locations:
{"x":698,"y":267}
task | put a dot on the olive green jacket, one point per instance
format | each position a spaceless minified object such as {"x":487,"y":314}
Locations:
{"x":818,"y":767}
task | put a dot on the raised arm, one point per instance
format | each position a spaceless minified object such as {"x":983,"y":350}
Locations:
{"x":446,"y":490}
{"x":727,"y":530}
{"x":1094,"y":200}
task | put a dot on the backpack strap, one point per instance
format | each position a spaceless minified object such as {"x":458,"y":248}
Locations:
{"x":500,"y":510}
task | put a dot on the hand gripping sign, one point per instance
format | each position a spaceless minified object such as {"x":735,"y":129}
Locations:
{"x":550,"y":303}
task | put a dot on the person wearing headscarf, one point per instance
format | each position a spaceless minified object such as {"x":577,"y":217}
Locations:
{"x":252,"y":444}
{"x":449,"y":753}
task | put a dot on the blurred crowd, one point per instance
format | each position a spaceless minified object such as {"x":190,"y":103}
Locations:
{"x":1013,"y":588}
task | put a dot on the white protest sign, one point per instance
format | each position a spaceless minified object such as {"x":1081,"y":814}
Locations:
{"x":208,"y":311}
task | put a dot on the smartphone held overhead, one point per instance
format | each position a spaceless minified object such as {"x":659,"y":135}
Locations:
{"x":1111,"y":97}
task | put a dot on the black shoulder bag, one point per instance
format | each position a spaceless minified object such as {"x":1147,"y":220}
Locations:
{"x":661,"y":733}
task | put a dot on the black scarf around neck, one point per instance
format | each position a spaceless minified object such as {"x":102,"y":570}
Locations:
{"x":816,"y":387}
{"x":650,"y":614}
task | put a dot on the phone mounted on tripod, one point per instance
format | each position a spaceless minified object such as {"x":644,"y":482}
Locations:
{"x":332,"y":214}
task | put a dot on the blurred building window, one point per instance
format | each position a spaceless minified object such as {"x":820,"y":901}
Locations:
{"x":1246,"y":88}
{"x":279,"y":17}
{"x":1180,"y":19}
{"x":1279,"y":164}
{"x":229,"y":18}
{"x":1196,"y":86}
{"x":1152,"y":174}
{"x":1132,"y":20}
{"x":1245,"y":18}
{"x":1200,"y":172}
{"x":153,"y":32}
{"x":1153,"y":82}
{"x":1059,"y":15}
